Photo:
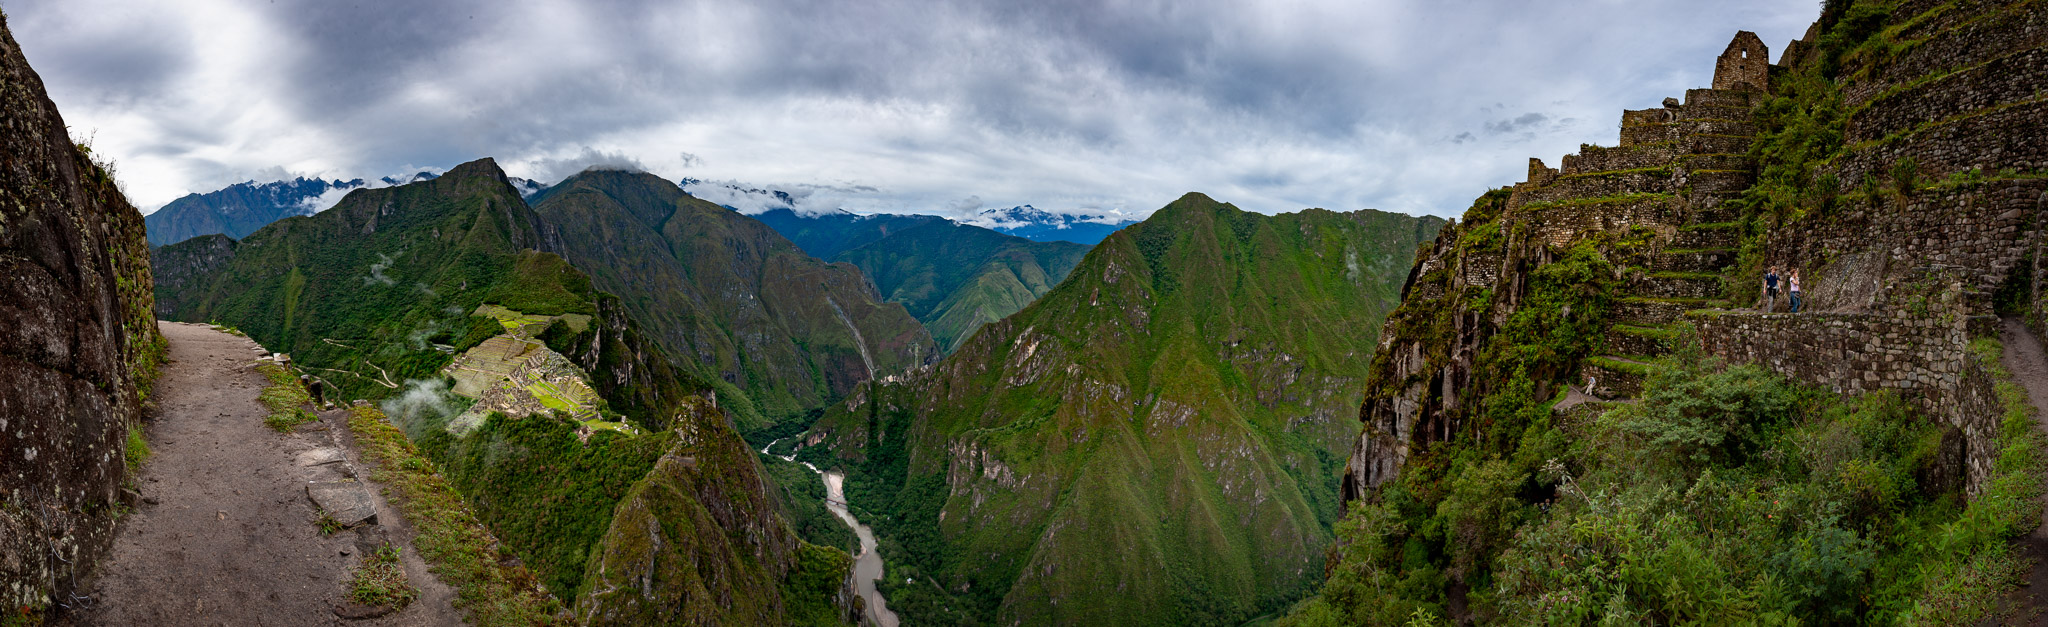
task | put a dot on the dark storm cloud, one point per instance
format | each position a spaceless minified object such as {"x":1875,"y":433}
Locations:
{"x":884,"y":104}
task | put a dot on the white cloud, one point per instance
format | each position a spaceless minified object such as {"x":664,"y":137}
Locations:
{"x":903,"y":105}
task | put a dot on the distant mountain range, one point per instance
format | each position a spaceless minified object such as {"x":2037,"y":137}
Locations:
{"x":781,"y":209}
{"x":238,"y":210}
{"x":1037,"y":224}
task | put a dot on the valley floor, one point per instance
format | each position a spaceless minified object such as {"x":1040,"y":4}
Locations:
{"x":223,"y":532}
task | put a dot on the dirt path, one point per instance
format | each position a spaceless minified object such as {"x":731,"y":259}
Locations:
{"x":2028,"y":362}
{"x":225,"y":534}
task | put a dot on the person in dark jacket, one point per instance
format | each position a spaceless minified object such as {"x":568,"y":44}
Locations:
{"x":1770,"y":289}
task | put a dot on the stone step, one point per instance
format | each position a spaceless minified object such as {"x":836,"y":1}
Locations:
{"x":1702,"y":236}
{"x":1718,"y":98}
{"x":1954,"y":145}
{"x":1634,"y":340}
{"x":1715,"y":181}
{"x":1677,"y":285}
{"x":1692,"y":260}
{"x":1741,"y":127}
{"x":1716,"y":161}
{"x":1651,"y":134}
{"x":1717,"y":144}
{"x":1596,"y":186}
{"x":1712,"y":208}
{"x":1614,"y":377}
{"x":1655,"y":311}
{"x":1709,"y":112}
{"x":1602,"y":159}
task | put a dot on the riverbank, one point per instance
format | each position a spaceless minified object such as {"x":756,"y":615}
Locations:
{"x":867,"y":564}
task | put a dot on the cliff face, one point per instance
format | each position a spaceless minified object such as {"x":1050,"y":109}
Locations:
{"x":78,"y":344}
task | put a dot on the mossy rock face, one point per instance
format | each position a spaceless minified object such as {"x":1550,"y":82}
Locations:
{"x":78,"y":344}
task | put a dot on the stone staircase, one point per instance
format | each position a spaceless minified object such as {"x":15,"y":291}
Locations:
{"x":1673,"y":174}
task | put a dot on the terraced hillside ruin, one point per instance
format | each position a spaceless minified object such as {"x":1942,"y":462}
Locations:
{"x":1599,"y":332}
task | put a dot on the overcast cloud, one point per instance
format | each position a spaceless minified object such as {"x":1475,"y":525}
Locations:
{"x":1412,"y":106}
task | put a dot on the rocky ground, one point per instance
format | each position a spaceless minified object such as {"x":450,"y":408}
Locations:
{"x":225,"y":529}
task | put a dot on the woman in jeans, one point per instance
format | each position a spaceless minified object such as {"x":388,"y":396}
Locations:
{"x":1792,"y":285}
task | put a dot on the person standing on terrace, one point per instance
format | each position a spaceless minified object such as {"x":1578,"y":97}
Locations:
{"x":1770,"y":289}
{"x":1792,"y":287}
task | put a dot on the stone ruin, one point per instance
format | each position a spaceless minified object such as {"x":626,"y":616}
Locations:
{"x":1744,"y":66}
{"x":1899,"y":281}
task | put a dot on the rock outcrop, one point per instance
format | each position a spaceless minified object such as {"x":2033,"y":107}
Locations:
{"x":78,"y":343}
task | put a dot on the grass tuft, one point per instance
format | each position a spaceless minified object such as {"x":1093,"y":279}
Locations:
{"x":380,"y":581}
{"x":286,"y":397}
{"x":454,"y":543}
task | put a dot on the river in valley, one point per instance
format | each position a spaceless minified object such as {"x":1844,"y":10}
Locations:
{"x":867,"y":565}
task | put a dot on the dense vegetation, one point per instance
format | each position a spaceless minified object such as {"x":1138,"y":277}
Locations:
{"x":1156,"y":440}
{"x":541,"y":490}
{"x":1727,"y":494}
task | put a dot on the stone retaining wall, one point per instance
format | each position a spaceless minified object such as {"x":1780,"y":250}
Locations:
{"x":1915,"y":343}
{"x":2005,"y":80}
{"x":2002,"y":29}
{"x":1987,"y":228}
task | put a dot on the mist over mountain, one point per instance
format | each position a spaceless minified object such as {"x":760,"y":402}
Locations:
{"x":240,"y":209}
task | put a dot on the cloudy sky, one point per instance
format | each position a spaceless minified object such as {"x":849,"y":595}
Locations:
{"x":884,"y":105}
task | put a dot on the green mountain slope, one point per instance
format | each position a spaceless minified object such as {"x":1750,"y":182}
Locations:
{"x":956,"y":277}
{"x":1157,"y":440}
{"x":376,"y":295}
{"x":778,"y":332}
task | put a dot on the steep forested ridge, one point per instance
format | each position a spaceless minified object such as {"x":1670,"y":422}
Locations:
{"x":778,"y":332}
{"x":1156,"y":440}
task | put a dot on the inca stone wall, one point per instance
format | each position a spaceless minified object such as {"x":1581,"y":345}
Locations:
{"x":1900,"y":271}
{"x":77,"y":338}
{"x":1913,"y":340}
{"x":1665,"y":188}
{"x":1940,"y":198}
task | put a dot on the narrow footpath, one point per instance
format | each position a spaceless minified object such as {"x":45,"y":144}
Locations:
{"x":2027,"y":360}
{"x":224,"y":532}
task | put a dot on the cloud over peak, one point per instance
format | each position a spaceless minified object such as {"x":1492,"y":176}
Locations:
{"x":905,"y":105}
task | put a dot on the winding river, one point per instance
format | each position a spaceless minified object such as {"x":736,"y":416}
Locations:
{"x":867,"y":565}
